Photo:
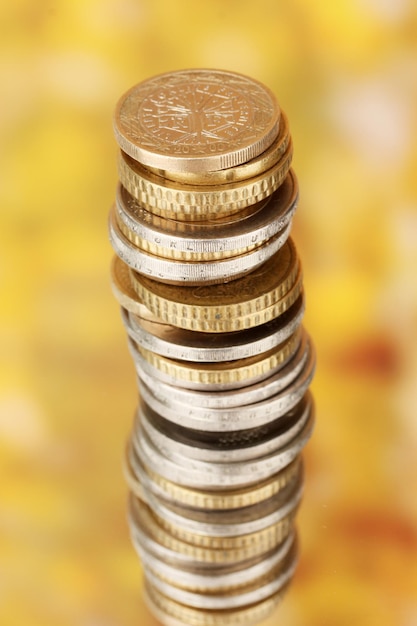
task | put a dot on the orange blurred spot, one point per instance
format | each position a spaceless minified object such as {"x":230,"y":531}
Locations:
{"x":370,"y":356}
{"x":378,"y":527}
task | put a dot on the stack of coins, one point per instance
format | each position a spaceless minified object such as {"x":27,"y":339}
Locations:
{"x":210,"y":287}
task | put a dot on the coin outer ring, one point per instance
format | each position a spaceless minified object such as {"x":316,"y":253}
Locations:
{"x":184,"y":202}
{"x":180,"y":142}
{"x":254,"y":167}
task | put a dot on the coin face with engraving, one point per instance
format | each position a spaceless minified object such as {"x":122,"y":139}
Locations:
{"x":196,"y":120}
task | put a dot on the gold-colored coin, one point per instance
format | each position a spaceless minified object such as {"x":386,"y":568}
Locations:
{"x":185,"y":228}
{"x":214,"y":500}
{"x":225,"y":372}
{"x":208,"y":549}
{"x":173,"y":613}
{"x":183,"y":202}
{"x":225,"y":307}
{"x":250,"y":169}
{"x":196,"y":120}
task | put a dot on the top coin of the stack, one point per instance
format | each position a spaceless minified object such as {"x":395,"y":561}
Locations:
{"x":196,"y":120}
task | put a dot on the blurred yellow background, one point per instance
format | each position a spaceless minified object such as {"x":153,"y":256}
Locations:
{"x":346,"y":74}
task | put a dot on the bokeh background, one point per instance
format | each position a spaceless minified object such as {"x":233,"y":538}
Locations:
{"x":346,"y":74}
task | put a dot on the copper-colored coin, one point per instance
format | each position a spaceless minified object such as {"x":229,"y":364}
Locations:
{"x":123,"y":291}
{"x":200,"y":202}
{"x":196,"y":120}
{"x":252,"y":168}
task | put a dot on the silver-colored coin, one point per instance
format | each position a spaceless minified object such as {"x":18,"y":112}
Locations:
{"x":216,"y":578}
{"x":202,"y":237}
{"x":202,"y":474}
{"x":141,"y":478}
{"x":245,"y":513}
{"x":182,"y":344}
{"x":241,"y":445}
{"x":233,"y":418}
{"x":177,"y":272}
{"x":232,"y":600}
{"x":186,"y":556}
{"x":141,"y":536}
{"x":224,"y":524}
{"x":228,"y":601}
{"x":196,"y":519}
{"x":163,"y":618}
{"x":172,"y":614}
{"x":234,"y":375}
{"x":196,"y":473}
{"x":251,"y":394}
